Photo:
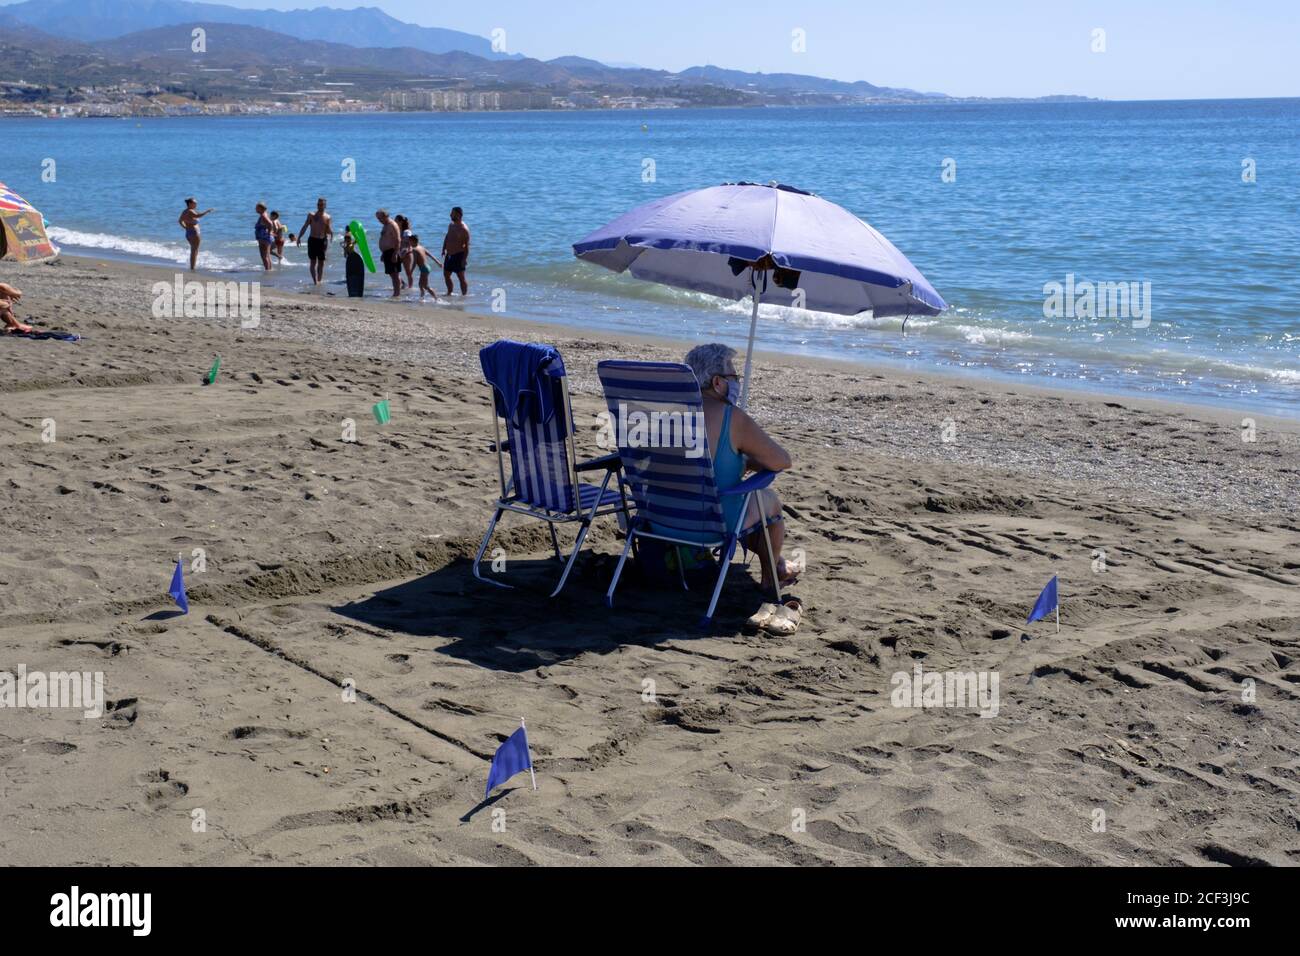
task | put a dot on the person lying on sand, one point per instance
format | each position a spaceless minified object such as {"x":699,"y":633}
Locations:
{"x":739,"y":444}
{"x":8,"y":297}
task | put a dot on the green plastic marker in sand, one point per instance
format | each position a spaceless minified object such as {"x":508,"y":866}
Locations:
{"x":212,"y":372}
{"x":382,"y":414}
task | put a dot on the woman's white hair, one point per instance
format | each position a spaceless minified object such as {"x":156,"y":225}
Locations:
{"x":709,"y":360}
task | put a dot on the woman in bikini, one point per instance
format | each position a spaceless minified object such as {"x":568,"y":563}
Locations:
{"x":189,"y":221}
{"x":264,"y":231}
{"x":404,"y":250}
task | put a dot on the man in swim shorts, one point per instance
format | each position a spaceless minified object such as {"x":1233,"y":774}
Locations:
{"x":189,"y":221}
{"x":455,"y":251}
{"x":390,"y":238}
{"x":320,"y":230}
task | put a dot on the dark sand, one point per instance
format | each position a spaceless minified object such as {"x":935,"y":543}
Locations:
{"x":331,"y":562}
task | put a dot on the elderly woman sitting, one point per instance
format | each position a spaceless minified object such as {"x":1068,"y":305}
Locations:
{"x":738,"y":445}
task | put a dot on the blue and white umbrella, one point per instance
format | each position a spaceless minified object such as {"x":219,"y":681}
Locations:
{"x":773,"y":243}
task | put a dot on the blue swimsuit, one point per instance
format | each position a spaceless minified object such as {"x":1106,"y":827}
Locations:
{"x":728,"y":469}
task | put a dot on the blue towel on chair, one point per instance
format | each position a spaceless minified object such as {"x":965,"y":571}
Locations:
{"x":525,"y":375}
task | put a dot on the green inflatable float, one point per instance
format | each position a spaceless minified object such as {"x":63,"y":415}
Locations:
{"x":363,"y":247}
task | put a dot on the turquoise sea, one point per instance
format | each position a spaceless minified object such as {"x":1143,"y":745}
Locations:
{"x":1157,"y":194}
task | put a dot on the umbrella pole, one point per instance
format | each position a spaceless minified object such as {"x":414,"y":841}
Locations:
{"x":749,"y":352}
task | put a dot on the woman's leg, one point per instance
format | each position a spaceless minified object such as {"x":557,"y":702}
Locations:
{"x":766,"y":503}
{"x":10,"y":320}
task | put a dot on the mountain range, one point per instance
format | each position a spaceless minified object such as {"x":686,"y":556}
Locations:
{"x":86,"y":42}
{"x":90,"y":20}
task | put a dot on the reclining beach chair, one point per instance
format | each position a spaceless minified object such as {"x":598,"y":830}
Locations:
{"x":677,"y":499}
{"x":530,"y":393}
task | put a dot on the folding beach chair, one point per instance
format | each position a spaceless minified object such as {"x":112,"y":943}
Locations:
{"x":672,"y":484}
{"x":530,"y":393}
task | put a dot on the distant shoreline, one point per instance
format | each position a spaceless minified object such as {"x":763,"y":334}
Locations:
{"x":279,"y":114}
{"x":973,"y":101}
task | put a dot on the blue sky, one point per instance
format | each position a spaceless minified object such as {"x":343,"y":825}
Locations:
{"x":1155,"y":49}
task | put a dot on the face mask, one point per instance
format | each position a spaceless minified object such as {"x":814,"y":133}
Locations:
{"x":733,"y":392}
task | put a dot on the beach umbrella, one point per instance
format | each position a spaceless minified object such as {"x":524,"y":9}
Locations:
{"x":771,"y":243}
{"x":22,"y":229}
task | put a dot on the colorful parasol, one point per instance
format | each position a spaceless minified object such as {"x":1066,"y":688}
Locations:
{"x":22,"y":229}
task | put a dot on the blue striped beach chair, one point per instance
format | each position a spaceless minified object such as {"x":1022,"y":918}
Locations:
{"x":677,"y":499}
{"x":544,"y":468}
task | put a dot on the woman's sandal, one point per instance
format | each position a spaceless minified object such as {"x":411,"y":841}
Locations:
{"x":784,"y":622}
{"x":760,"y":618}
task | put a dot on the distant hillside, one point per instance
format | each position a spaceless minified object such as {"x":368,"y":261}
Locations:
{"x":89,"y":20}
{"x":233,"y":46}
{"x":31,"y":59}
{"x":16,"y":33}
{"x":739,"y":79}
{"x":67,"y":44}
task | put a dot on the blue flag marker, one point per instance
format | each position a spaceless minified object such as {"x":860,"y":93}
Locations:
{"x":510,"y":758}
{"x":177,"y":590}
{"x":1046,"y":604}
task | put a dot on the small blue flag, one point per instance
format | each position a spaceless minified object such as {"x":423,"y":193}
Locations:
{"x":177,"y":590}
{"x":1046,"y":603}
{"x":511,"y":757}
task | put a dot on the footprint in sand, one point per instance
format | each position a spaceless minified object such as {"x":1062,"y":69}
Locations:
{"x":9,"y":749}
{"x":160,"y":790}
{"x":108,"y":648}
{"x":253,"y":732}
{"x":122,"y":713}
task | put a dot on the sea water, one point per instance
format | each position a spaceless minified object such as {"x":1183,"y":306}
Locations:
{"x":1195,"y":204}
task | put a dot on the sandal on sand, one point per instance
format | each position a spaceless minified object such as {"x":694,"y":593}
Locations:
{"x":785,"y":621}
{"x":760,"y":618}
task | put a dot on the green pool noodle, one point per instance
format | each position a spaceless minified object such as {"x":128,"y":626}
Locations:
{"x":363,"y":247}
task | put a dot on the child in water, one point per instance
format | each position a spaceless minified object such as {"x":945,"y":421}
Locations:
{"x":421,"y":257}
{"x":278,"y":234}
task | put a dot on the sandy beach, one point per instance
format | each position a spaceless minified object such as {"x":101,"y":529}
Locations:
{"x":332,"y":565}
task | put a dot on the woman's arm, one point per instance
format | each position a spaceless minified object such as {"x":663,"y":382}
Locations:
{"x":756,"y":445}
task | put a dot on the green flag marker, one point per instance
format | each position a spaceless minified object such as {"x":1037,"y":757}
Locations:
{"x":212,"y":372}
{"x":381,"y":412}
